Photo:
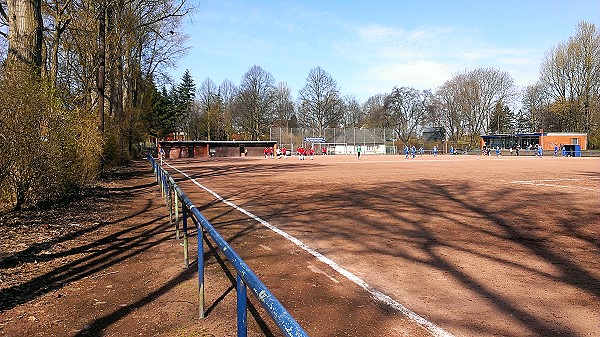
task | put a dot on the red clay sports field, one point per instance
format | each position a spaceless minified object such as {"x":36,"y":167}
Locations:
{"x":444,"y":246}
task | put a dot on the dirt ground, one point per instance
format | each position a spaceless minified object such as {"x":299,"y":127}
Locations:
{"x":476,"y":246}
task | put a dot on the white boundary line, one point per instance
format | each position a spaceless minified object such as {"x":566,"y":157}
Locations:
{"x":378,"y":295}
{"x":546,"y":183}
{"x":542,"y":180}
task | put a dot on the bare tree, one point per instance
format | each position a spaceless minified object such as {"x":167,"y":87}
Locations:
{"x":536,"y":107}
{"x":352,"y":114}
{"x":450,"y":103}
{"x":60,"y":16}
{"x":204,"y":120}
{"x":320,"y":102}
{"x":433,"y":111}
{"x":255,"y":101}
{"x":284,"y":108}
{"x":571,"y":73}
{"x":469,"y":99}
{"x":405,"y":109}
{"x":374,"y":111}
{"x":227,"y":95}
{"x":101,"y":71}
{"x":130,"y":28}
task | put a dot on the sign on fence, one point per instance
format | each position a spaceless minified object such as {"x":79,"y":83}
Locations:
{"x":314,"y":139}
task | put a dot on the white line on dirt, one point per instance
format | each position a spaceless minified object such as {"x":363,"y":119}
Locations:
{"x":562,"y":186}
{"x":552,"y":180}
{"x":378,"y":295}
{"x":547,"y":183}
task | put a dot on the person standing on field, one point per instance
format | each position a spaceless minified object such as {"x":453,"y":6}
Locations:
{"x":358,"y":150}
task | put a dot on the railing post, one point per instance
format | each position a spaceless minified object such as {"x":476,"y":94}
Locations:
{"x":160,"y":182}
{"x":155,"y":168}
{"x":170,"y":201}
{"x":158,"y":176}
{"x":242,"y":310}
{"x":185,"y":237}
{"x":244,"y":274}
{"x":176,"y":214}
{"x":167,"y":196}
{"x":200,"y":235}
{"x":164,"y":183}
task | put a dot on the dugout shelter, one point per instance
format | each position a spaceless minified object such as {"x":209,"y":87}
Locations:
{"x":215,"y":148}
{"x":529,"y":140}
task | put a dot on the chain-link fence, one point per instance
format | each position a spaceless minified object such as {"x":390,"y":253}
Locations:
{"x":338,"y":140}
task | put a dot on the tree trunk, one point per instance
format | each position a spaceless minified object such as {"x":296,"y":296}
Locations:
{"x":25,"y":32}
{"x":100,"y":84}
{"x":100,"y":80}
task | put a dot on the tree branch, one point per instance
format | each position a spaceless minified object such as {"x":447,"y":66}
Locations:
{"x":64,"y":26}
{"x":174,"y":13}
{"x":3,"y":13}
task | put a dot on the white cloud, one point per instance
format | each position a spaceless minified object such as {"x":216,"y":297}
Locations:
{"x":425,"y":58}
{"x":289,"y":38}
{"x":383,"y":34}
{"x":375,"y":44}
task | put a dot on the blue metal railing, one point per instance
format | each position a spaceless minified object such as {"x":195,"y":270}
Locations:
{"x":245,"y":276}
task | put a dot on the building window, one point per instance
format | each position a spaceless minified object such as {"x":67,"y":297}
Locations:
{"x":575,"y":141}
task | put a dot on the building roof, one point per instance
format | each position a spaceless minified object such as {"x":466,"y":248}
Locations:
{"x":533,"y":134}
{"x":219,"y":142}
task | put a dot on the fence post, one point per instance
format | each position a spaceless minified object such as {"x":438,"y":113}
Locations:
{"x":162,"y":182}
{"x":185,"y":237}
{"x":176,"y":215}
{"x":171,"y":197}
{"x":159,"y":178}
{"x":277,"y":312}
{"x":168,"y":197}
{"x":156,"y":173}
{"x":242,"y":312}
{"x":200,"y":235}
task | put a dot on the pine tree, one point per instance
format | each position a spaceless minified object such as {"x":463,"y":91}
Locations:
{"x":162,"y":118}
{"x":183,"y":98}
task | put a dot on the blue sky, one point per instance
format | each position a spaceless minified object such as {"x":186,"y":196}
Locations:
{"x":369,"y":47}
